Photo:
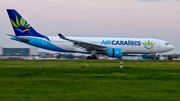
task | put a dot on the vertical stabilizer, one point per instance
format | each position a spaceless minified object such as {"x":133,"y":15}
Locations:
{"x":21,"y":26}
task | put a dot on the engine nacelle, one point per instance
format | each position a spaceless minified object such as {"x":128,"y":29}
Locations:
{"x":114,"y":52}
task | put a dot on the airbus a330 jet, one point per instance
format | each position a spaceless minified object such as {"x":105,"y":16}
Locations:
{"x":110,"y":46}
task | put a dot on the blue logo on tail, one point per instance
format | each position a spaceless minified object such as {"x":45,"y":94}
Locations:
{"x":20,"y":25}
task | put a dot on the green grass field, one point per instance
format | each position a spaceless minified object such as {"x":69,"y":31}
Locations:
{"x":81,"y":80}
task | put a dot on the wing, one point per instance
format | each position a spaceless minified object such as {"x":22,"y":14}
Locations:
{"x":85,"y":45}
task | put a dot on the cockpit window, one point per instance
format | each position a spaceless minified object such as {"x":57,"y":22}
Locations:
{"x":167,"y":44}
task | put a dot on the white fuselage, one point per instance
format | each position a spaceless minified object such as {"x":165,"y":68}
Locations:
{"x":128,"y":45}
{"x":113,"y":47}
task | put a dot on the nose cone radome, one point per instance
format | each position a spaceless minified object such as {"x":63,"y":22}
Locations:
{"x":171,"y":47}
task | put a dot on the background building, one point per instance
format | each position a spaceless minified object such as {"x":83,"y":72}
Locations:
{"x":1,"y":50}
{"x":15,"y":51}
{"x":18,"y":51}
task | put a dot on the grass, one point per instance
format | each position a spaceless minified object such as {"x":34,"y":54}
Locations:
{"x":81,"y":80}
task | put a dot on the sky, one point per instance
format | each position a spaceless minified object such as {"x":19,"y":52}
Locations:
{"x":96,"y":18}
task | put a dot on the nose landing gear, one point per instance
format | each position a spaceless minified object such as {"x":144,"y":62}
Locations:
{"x":155,"y":56}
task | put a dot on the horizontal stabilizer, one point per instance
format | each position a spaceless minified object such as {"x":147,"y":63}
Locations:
{"x":20,"y":38}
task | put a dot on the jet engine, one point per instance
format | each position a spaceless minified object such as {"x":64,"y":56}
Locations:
{"x":114,"y":52}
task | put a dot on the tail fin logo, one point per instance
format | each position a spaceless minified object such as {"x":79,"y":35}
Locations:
{"x":148,"y":44}
{"x":20,"y":25}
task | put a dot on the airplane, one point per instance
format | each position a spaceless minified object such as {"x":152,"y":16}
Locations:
{"x":111,"y":46}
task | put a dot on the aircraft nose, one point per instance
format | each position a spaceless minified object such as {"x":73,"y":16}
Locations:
{"x":171,"y":47}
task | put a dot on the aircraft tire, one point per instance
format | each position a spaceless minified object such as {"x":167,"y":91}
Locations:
{"x":88,"y":57}
{"x":94,"y":57}
{"x":91,"y":57}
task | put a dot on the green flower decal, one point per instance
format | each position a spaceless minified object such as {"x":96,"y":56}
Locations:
{"x":148,"y":44}
{"x":21,"y":25}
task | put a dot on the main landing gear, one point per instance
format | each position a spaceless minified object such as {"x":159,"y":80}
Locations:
{"x":93,"y":56}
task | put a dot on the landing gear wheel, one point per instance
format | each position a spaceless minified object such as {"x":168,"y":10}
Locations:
{"x":93,"y":57}
{"x":156,"y":56}
{"x":88,"y":57}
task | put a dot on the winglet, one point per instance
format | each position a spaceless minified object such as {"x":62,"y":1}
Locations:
{"x":61,"y":36}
